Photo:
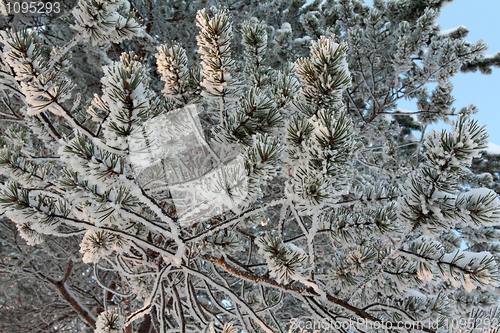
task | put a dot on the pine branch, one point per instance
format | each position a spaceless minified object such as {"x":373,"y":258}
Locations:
{"x":301,"y":291}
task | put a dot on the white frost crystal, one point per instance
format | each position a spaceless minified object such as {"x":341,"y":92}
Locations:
{"x":110,"y":321}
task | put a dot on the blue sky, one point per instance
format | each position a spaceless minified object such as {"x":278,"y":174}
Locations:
{"x":482,"y":19}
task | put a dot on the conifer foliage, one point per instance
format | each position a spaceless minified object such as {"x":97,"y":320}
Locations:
{"x":249,"y":179}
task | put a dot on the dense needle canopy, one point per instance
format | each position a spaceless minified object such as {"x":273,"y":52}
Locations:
{"x":196,"y":166}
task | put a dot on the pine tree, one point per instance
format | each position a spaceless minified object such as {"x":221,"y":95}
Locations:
{"x":159,"y":175}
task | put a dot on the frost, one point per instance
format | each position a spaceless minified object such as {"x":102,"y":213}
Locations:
{"x":480,"y":206}
{"x":468,"y":284}
{"x":284,"y":260}
{"x":98,"y":244}
{"x":286,"y":26}
{"x":424,"y":275}
{"x":199,"y":186}
{"x":452,"y":30}
{"x":3,"y":9}
{"x":214,"y":43}
{"x":445,"y":3}
{"x":172,"y":64}
{"x":228,"y":328}
{"x":110,"y":321}
{"x":303,"y":40}
{"x":227,"y":219}
{"x":493,"y":148}
{"x":100,"y":22}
